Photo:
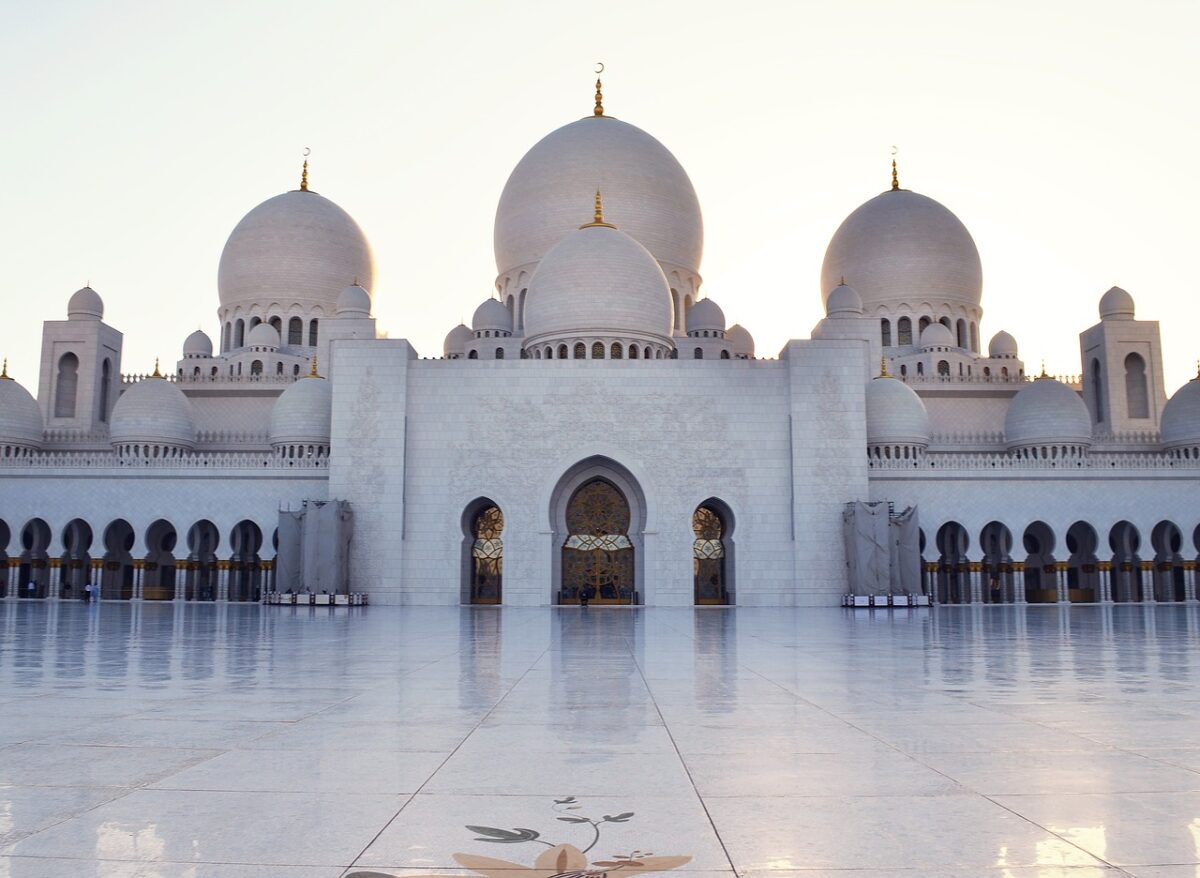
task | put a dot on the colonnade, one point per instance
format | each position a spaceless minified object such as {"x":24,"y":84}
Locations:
{"x":226,"y":571}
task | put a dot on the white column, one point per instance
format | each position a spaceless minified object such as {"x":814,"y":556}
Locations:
{"x":222,"y":580}
{"x":1105,"y":574}
{"x":1189,"y":581}
{"x":1064,"y":593}
{"x":54,"y":580}
{"x":11,"y":572}
{"x":139,"y":573}
{"x":1148,"y":583}
{"x":1019,"y":581}
{"x":976,"y":584}
{"x":181,"y":577}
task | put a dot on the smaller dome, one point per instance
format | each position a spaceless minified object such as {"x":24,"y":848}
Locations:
{"x":492,"y":315}
{"x":1002,"y":345}
{"x":154,"y":411}
{"x":354,"y":302}
{"x":1181,"y":416}
{"x":302,"y":414}
{"x":20,"y":417}
{"x":740,"y":340}
{"x":1047,"y":412}
{"x":198,"y":344}
{"x":457,"y":340}
{"x":1116,"y":304}
{"x":843,"y":301}
{"x":85,"y":304}
{"x":705,"y":314}
{"x":936,"y":335}
{"x":264,"y":335}
{"x":895,"y":414}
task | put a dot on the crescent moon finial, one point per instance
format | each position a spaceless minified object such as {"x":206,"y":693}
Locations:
{"x":308,"y":151}
{"x":895,"y":174}
{"x":304,"y":171}
{"x":599,"y":67}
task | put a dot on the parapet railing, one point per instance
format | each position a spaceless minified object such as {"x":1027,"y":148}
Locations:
{"x":256,"y":460}
{"x":989,"y":461}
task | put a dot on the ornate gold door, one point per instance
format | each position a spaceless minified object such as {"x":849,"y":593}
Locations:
{"x":487,"y":556}
{"x":708,"y":558}
{"x":598,"y":554}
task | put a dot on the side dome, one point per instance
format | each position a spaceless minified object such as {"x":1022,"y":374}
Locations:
{"x":741,"y":341}
{"x":705,"y":315}
{"x":896,"y":416}
{"x":1047,"y":414}
{"x":264,"y":335}
{"x":1116,"y":304}
{"x":354,"y":301}
{"x":1181,"y":417}
{"x":1002,"y":346}
{"x":21,"y":424}
{"x":650,"y":195}
{"x":456,"y":341}
{"x":598,"y":281}
{"x":296,"y":248}
{"x":85,"y":304}
{"x":198,"y":344}
{"x":492,"y":316}
{"x":904,"y":248}
{"x":843,"y":301}
{"x":936,"y":335}
{"x":155,"y":413}
{"x":302,"y":414}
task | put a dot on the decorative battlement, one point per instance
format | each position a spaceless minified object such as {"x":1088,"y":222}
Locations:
{"x":216,"y":379}
{"x":989,"y":461}
{"x":244,"y":460}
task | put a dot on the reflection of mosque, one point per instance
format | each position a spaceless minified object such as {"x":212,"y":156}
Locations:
{"x":600,"y":426}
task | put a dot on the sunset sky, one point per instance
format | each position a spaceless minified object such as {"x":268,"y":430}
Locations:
{"x":1065,"y":135}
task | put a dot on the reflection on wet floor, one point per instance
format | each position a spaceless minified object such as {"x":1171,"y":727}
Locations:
{"x":213,"y":741}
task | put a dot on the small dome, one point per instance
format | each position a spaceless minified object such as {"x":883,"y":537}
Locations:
{"x":85,"y":304}
{"x":1116,"y":304}
{"x":492,"y":315}
{"x":298,"y":248}
{"x":20,"y":417}
{"x":457,"y":340}
{"x":264,"y":335}
{"x":198,"y":344}
{"x":1047,"y":412}
{"x":740,"y":340}
{"x":1181,"y":416}
{"x":154,"y":411}
{"x":648,"y":192}
{"x":599,"y":281}
{"x":843,"y":301}
{"x":1002,"y":345}
{"x":905,"y":248}
{"x":895,"y":414}
{"x":936,"y":335}
{"x":302,"y":414}
{"x":354,"y":302}
{"x":705,"y":314}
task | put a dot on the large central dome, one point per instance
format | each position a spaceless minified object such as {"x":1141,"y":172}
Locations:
{"x":296,"y":248}
{"x":901,"y":248}
{"x":649,"y":195}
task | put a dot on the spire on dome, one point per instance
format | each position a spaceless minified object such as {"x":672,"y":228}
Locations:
{"x":156,"y":374}
{"x":883,"y":369}
{"x":895,"y":178}
{"x":599,"y":108}
{"x":304,"y":171}
{"x":4,"y":372}
{"x":598,"y":216}
{"x":312,"y":372}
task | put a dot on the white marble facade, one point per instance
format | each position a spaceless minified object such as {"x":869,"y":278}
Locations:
{"x":167,"y":487}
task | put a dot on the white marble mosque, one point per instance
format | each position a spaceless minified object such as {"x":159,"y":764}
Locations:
{"x":602,"y":425}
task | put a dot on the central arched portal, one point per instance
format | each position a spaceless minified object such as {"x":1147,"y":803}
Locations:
{"x":598,"y":555}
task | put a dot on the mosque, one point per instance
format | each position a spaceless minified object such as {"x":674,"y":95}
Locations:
{"x":600,"y":427}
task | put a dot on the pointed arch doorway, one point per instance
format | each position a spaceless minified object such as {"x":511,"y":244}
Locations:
{"x":598,"y":514}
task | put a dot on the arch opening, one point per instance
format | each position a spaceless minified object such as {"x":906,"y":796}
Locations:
{"x":482,"y":553}
{"x":712,"y":554}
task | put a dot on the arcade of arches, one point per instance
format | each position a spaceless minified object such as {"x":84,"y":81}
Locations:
{"x":1081,"y":564}
{"x":107,"y":557}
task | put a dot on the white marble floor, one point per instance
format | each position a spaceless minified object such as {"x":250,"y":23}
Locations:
{"x":160,"y":741}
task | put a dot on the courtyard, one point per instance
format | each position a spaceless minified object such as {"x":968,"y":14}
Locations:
{"x":220,"y":741}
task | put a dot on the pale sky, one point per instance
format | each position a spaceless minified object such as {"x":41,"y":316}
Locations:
{"x":1064,"y":135}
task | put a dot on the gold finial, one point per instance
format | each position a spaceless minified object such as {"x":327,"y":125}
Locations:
{"x":883,"y":369}
{"x":599,"y":109}
{"x":4,"y":372}
{"x":356,"y":280}
{"x":1197,"y":368}
{"x":312,"y":373}
{"x":156,"y":374}
{"x":598,"y":216}
{"x":1043,"y":375}
{"x":304,"y":171}
{"x":842,"y":282}
{"x":895,"y":178}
